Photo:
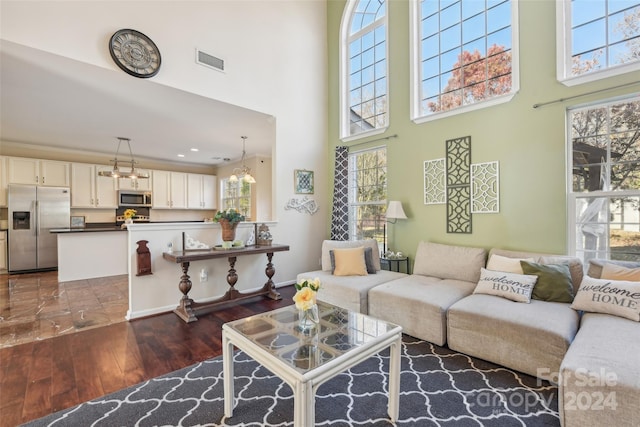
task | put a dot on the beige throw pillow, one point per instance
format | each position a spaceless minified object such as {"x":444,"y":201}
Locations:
{"x":516,"y":287}
{"x":350,"y":262}
{"x":503,"y":263}
{"x":617,"y":297}
{"x":617,"y":272}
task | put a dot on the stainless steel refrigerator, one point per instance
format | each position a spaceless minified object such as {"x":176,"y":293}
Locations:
{"x":33,"y":212}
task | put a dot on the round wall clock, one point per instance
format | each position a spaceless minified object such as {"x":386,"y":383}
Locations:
{"x":135,"y":53}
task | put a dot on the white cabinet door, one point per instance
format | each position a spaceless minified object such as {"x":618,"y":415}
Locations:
{"x":201,"y":191}
{"x":194,"y":191}
{"x":209,"y":187}
{"x":105,"y":189}
{"x":54,"y":174}
{"x":161,"y":197}
{"x":178,"y":190}
{"x":88,"y":190}
{"x":136,"y":184}
{"x":82,"y":182}
{"x":49,"y":173}
{"x":3,"y":181}
{"x":23,"y":171}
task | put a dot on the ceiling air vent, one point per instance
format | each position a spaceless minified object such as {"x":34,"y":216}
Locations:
{"x":210,"y":61}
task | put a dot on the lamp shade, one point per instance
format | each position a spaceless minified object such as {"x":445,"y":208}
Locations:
{"x":395,"y":211}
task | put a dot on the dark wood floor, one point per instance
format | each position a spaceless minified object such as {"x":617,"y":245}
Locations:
{"x":42,"y":377}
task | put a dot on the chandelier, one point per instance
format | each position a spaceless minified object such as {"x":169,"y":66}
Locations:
{"x":116,"y":173}
{"x":243,"y":173}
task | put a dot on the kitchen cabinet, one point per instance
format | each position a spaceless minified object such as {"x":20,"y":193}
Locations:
{"x":3,"y":181}
{"x":88,"y":190}
{"x":3,"y":250}
{"x":169,"y":190}
{"x":47,"y":173}
{"x":136,"y":184}
{"x":201,"y":191}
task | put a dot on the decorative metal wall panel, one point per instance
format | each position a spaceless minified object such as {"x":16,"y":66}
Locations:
{"x":459,"y":161}
{"x":485,"y":188}
{"x":435,"y":182}
{"x":458,"y":180}
{"x":458,"y":210}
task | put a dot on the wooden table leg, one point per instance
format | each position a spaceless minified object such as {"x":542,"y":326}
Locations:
{"x":270,"y":286}
{"x":185,"y":309}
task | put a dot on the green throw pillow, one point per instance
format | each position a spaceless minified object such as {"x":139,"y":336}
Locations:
{"x":554,"y":281}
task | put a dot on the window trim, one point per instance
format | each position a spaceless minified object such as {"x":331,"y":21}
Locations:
{"x":344,"y":78}
{"x":414,"y":77}
{"x":563,"y":53}
{"x":572,"y":196}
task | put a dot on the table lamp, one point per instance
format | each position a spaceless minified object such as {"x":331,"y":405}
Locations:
{"x":394,"y":213}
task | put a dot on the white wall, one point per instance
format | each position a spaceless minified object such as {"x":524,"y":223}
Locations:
{"x":275,"y":55}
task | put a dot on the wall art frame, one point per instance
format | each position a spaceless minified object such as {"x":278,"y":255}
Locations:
{"x":77,"y":222}
{"x":303,"y":181}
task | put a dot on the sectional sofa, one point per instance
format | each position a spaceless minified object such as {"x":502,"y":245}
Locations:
{"x":451,"y":299}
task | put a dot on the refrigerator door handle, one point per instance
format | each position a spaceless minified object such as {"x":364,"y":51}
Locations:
{"x":37,"y":217}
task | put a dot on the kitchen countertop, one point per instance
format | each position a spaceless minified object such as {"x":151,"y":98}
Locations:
{"x":87,"y":229}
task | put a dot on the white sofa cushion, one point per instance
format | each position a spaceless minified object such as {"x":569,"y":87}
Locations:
{"x":449,"y":262}
{"x":599,"y":382}
{"x":419,"y":304}
{"x":524,"y":337}
{"x":350,"y":292}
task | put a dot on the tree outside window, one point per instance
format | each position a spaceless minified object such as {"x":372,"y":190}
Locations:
{"x":466,"y":53}
{"x":367,"y":194}
{"x":605,"y":180}
{"x":236,"y":195}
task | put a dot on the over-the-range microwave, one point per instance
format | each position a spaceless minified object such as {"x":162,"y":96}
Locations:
{"x":134,"y":198}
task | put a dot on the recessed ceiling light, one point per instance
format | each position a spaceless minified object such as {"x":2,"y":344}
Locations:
{"x":180,"y":155}
{"x":194,"y":149}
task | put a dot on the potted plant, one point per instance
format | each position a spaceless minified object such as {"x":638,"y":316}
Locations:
{"x":228,"y":220}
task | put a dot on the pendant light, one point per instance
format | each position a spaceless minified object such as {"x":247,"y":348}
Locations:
{"x":116,"y":173}
{"x":243,"y":173}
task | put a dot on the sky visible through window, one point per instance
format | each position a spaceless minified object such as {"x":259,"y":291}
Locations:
{"x":604,"y":33}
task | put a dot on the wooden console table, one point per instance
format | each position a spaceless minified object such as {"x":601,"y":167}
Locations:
{"x":187,"y":308}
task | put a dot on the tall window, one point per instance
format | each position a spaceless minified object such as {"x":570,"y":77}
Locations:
{"x":465,"y":55}
{"x":604,"y":195}
{"x":236,"y":195}
{"x":367,"y":194}
{"x":363,"y":68}
{"x":597,"y":38}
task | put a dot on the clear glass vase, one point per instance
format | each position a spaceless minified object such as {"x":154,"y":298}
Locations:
{"x":308,"y":319}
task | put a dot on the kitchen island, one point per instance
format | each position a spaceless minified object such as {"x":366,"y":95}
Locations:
{"x":87,"y":253}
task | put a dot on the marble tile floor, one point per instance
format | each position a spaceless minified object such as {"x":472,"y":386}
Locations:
{"x":35,"y":306}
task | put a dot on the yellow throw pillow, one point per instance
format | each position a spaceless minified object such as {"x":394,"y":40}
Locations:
{"x":617,"y":272}
{"x":350,"y":262}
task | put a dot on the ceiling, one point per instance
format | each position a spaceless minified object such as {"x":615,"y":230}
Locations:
{"x":49,"y":100}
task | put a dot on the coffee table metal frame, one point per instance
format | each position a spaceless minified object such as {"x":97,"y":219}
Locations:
{"x":305,"y":382}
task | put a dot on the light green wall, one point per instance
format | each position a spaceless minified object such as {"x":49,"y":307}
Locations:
{"x":528,"y":143}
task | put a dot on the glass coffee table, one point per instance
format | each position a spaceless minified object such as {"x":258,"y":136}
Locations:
{"x":306,"y":359}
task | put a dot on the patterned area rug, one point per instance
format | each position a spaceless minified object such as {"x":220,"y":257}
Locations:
{"x":438,"y":388}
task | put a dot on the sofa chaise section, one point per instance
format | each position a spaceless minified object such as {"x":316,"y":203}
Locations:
{"x":599,"y":383}
{"x":531,"y":338}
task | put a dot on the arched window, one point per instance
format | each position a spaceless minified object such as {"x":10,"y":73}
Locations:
{"x":465,"y":55}
{"x":363,"y":69}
